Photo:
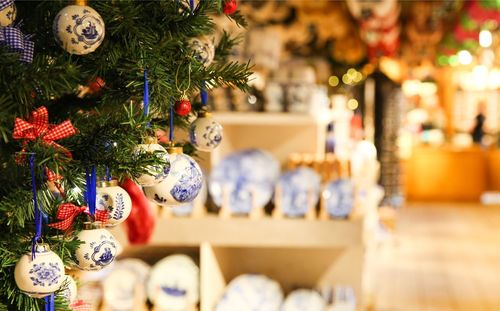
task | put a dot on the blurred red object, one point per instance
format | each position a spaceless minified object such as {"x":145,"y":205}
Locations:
{"x":80,"y":305}
{"x":141,"y":221}
{"x":230,"y":6}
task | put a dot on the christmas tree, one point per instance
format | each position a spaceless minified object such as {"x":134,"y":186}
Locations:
{"x":101,"y":93}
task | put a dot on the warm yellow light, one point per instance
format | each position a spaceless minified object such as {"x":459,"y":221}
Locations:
{"x":352,"y":104}
{"x":346,"y":79}
{"x":358,"y":76}
{"x":485,"y":38}
{"x":464,"y":57}
{"x":333,"y":81}
{"x":351,"y":72}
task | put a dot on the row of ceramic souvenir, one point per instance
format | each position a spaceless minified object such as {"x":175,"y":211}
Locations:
{"x":249,"y":178}
{"x":173,"y":284}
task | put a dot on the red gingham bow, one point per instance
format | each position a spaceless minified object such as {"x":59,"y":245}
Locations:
{"x":39,"y":127}
{"x":68,"y":211}
{"x":80,"y":305}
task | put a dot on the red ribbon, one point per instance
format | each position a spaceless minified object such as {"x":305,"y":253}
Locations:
{"x":80,"y":305}
{"x":39,"y":127}
{"x":67,"y":213}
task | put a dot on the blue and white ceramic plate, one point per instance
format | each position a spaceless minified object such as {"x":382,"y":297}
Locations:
{"x":251,"y":292}
{"x":339,"y":198}
{"x":174,"y":283}
{"x":304,"y":300}
{"x":300,"y":190}
{"x":243,"y":173}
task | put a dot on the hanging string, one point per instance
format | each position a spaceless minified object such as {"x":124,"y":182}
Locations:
{"x":91,"y":192}
{"x":171,"y":132}
{"x":38,"y":218}
{"x":146,"y":93}
{"x":45,"y":217}
{"x":191,"y":5}
{"x":177,"y":80}
{"x":108,"y":177}
{"x":203,"y":94}
{"x":50,"y":302}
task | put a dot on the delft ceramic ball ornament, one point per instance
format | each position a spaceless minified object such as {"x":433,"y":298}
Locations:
{"x":41,"y":276}
{"x":115,"y":200}
{"x":98,"y":250}
{"x":8,"y":14}
{"x":78,"y":29}
{"x":183,"y":183}
{"x":205,"y":133}
{"x":156,"y":173}
{"x":203,"y":49}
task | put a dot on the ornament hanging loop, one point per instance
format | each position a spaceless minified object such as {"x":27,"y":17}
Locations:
{"x":177,"y":85}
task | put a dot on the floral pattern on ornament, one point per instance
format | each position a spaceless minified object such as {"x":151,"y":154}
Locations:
{"x":190,"y":181}
{"x":45,"y":274}
{"x":119,"y":208}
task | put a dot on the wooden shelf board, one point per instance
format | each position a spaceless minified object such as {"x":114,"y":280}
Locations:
{"x":245,"y":232}
{"x":268,"y":118}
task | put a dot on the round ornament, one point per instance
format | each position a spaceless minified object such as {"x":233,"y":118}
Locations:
{"x":182,"y":107}
{"x":41,"y":276}
{"x":156,"y":173}
{"x":78,"y":29}
{"x":303,"y":299}
{"x":230,"y":6}
{"x":182,"y":184}
{"x":205,"y":133}
{"x":98,"y":250}
{"x":70,"y":291}
{"x":115,"y":200}
{"x":203,"y":49}
{"x":7,"y":14}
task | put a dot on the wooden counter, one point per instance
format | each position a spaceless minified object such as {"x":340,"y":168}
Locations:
{"x":449,"y":174}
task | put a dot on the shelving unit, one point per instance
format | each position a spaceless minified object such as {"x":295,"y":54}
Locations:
{"x":295,"y":252}
{"x":279,"y":133}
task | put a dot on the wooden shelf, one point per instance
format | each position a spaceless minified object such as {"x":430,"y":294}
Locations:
{"x":245,"y":232}
{"x":267,"y":118}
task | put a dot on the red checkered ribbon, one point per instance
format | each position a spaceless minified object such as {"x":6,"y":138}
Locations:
{"x":51,"y":176}
{"x":80,"y":305}
{"x":39,"y":127}
{"x":67,"y":213}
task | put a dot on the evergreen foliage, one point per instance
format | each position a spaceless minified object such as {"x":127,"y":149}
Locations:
{"x":139,"y":34}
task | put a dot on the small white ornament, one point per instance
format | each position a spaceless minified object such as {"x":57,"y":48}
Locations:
{"x":115,"y":200}
{"x":304,"y":299}
{"x":156,"y":174}
{"x":78,"y":29}
{"x":98,"y":250}
{"x":8,"y":15}
{"x":41,"y":276}
{"x":182,"y":184}
{"x":70,"y":291}
{"x":203,"y":49}
{"x":205,"y":133}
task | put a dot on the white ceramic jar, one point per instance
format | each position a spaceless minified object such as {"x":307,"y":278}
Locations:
{"x":78,"y":29}
{"x":205,"y":133}
{"x":182,"y":184}
{"x":41,"y":276}
{"x":115,"y":200}
{"x":156,"y":173}
{"x":98,"y":250}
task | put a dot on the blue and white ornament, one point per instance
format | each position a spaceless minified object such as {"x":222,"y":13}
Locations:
{"x":205,"y":133}
{"x":70,"y":290}
{"x":78,"y":29}
{"x":203,"y":49}
{"x":183,"y":183}
{"x":115,"y":200}
{"x":339,"y":198}
{"x":8,"y":12}
{"x":40,"y":276}
{"x":98,"y":250}
{"x":304,"y":299}
{"x":157,"y":173}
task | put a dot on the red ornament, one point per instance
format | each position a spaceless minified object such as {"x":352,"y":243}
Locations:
{"x":182,"y":107}
{"x":141,"y":221}
{"x":96,"y":85}
{"x":230,"y":6}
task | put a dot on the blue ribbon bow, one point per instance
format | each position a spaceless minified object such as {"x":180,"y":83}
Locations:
{"x":17,"y":42}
